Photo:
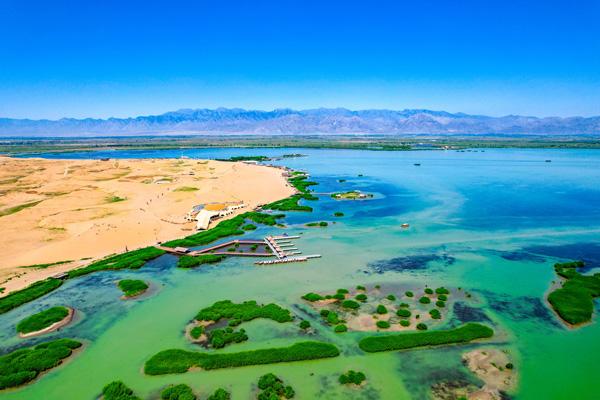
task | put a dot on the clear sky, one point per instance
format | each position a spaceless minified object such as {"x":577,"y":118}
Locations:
{"x":128,"y":58}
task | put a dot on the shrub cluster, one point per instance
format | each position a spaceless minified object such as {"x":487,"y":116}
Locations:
{"x":25,"y":364}
{"x":462,"y":334}
{"x":178,"y":392}
{"x":178,"y":361}
{"x":383,"y":324}
{"x":574,"y":301}
{"x":424,"y":300}
{"x":421,"y":326}
{"x":194,"y":261}
{"x":197,"y":331}
{"x":352,"y":377}
{"x":361,"y":297}
{"x":351,"y":304}
{"x":132,"y":287}
{"x":403,"y":312}
{"x":245,"y":311}
{"x":117,"y":390}
{"x":435,"y":314}
{"x":442,"y":290}
{"x":408,"y":293}
{"x":42,"y":320}
{"x":220,"y":394}
{"x":30,"y":293}
{"x":312,"y":297}
{"x":381,"y":309}
{"x":341,"y":328}
{"x":219,"y":338}
{"x":304,"y":324}
{"x":131,"y":260}
{"x":272,"y":387}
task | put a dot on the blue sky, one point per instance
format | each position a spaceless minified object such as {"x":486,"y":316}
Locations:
{"x":128,"y":58}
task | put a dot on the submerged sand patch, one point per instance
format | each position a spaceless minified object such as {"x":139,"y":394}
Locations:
{"x":54,"y":210}
{"x":490,"y":365}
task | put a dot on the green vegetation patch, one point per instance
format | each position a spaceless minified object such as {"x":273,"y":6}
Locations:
{"x":219,"y":338}
{"x":321,"y":224}
{"x":352,"y":377}
{"x":132,"y":287}
{"x":131,"y":260}
{"x":178,"y":361}
{"x":20,"y":207}
{"x":338,"y":214}
{"x":186,"y":189}
{"x":351,"y":304}
{"x":249,"y":227}
{"x":312,"y":297}
{"x":220,"y":394}
{"x":178,"y":392}
{"x":44,"y":266}
{"x":25,"y":364}
{"x":401,"y":341}
{"x":117,"y":390}
{"x":341,"y":328}
{"x":42,"y":320}
{"x":245,"y":311}
{"x":225,"y":228}
{"x":114,"y":199}
{"x":383,"y":324}
{"x":194,"y":261}
{"x":30,"y":293}
{"x":272,"y":387}
{"x":574,"y":301}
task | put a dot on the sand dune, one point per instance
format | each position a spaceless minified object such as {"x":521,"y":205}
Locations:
{"x":69,"y":210}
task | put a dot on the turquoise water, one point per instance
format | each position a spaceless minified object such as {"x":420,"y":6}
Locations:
{"x":492,"y":222}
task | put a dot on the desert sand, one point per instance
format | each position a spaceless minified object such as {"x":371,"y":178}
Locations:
{"x":490,"y":366}
{"x":81,"y":210}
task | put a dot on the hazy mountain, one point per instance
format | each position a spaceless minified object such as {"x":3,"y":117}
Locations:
{"x":287,"y":121}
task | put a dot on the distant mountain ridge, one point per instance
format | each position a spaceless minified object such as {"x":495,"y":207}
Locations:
{"x":314,"y":121}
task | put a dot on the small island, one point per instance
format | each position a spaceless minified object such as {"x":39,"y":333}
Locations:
{"x":23,"y":365}
{"x":573,"y":298}
{"x":45,"y":321}
{"x":352,"y":195}
{"x":272,"y":387}
{"x":132,"y":287}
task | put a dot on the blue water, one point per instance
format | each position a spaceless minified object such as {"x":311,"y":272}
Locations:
{"x":492,"y":222}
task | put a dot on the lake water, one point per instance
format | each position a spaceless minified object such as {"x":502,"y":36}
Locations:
{"x":492,"y":222}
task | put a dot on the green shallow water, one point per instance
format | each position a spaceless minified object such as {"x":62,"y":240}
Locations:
{"x":491,"y":223}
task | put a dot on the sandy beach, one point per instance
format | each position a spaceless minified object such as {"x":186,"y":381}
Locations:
{"x":79,"y":210}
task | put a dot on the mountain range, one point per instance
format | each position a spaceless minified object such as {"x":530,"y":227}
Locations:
{"x":289,"y":122}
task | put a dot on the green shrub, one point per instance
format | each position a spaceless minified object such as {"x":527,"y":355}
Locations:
{"x":304,"y":324}
{"x":219,"y":338}
{"x":440,"y":304}
{"x":383,"y":324}
{"x":403,"y":305}
{"x":403,"y":312}
{"x":30,"y":293}
{"x":381,"y":309}
{"x":341,"y":328}
{"x":429,"y":291}
{"x":25,"y":364}
{"x":342,"y":291}
{"x":509,"y":366}
{"x":245,"y":311}
{"x":178,"y":392}
{"x":197,"y":331}
{"x":333,"y":318}
{"x":312,"y":297}
{"x":400,"y":341}
{"x":194,"y":261}
{"x":338,"y":214}
{"x":118,"y":391}
{"x":442,"y":290}
{"x":404,"y":322}
{"x":339,"y":296}
{"x":272,"y":388}
{"x":424,"y":300}
{"x":408,"y":293}
{"x":360,"y":287}
{"x":42,"y":320}
{"x":132,"y":287}
{"x":421,"y":326}
{"x":442,"y":297}
{"x":131,"y":260}
{"x":352,"y":377}
{"x":391,"y":297}
{"x":220,"y":394}
{"x":324,"y":312}
{"x":178,"y":361}
{"x":435,"y":314}
{"x":249,"y":227}
{"x":361,"y":297}
{"x":350,"y":304}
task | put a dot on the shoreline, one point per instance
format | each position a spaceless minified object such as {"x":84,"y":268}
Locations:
{"x":54,"y":327}
{"x":80,"y":223}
